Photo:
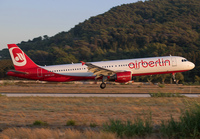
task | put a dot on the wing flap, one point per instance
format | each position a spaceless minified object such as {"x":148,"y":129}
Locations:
{"x":98,"y":71}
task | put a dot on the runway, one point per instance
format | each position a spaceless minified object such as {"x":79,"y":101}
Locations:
{"x":83,"y":95}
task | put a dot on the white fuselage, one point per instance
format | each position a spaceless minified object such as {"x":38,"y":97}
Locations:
{"x":139,"y":66}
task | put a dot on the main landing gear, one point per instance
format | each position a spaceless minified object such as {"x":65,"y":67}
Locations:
{"x":103,"y":84}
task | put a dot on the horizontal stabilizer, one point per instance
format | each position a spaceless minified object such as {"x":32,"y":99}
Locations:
{"x":17,"y":72}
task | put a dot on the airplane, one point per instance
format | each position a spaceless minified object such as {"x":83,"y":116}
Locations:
{"x":121,"y":71}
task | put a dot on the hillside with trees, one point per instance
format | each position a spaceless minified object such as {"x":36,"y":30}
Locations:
{"x":142,"y":29}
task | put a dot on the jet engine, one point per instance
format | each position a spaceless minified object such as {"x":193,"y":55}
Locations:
{"x":121,"y":77}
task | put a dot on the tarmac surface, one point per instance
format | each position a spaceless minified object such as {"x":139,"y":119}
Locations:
{"x":83,"y":95}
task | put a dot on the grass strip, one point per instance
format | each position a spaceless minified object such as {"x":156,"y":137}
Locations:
{"x":159,"y":94}
{"x":188,"y":125}
{"x":128,"y":129}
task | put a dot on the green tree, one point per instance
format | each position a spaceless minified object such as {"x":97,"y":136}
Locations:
{"x":149,"y":28}
{"x":179,"y":77}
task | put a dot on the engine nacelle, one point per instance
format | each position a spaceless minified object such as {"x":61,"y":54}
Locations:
{"x":122,"y":77}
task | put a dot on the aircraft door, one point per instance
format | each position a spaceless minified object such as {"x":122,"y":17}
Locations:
{"x":174,"y":62}
{"x":39,"y":72}
{"x":137,"y":66}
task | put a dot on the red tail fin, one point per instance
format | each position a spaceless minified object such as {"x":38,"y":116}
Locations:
{"x":20,"y":60}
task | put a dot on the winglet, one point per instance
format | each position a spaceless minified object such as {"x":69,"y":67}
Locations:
{"x":83,"y":63}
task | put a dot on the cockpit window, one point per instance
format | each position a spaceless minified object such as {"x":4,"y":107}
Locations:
{"x":184,"y":60}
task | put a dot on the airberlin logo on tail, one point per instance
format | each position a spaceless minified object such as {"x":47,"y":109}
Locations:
{"x":17,"y":56}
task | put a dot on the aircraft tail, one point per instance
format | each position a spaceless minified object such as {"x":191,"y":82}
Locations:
{"x":20,"y":60}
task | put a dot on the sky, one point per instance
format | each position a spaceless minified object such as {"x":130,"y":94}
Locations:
{"x":23,"y":20}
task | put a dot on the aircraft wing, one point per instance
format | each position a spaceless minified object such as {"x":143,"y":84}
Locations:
{"x":98,"y":71}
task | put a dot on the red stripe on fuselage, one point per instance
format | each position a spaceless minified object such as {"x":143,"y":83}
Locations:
{"x":48,"y":76}
{"x":153,"y":73}
{"x":55,"y":77}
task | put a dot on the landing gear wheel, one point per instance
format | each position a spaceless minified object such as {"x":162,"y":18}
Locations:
{"x":103,"y":85}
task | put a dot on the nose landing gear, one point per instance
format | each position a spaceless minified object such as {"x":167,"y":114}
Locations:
{"x":173,"y":76}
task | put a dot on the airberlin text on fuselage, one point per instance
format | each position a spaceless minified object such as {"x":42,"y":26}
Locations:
{"x":145,"y":64}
